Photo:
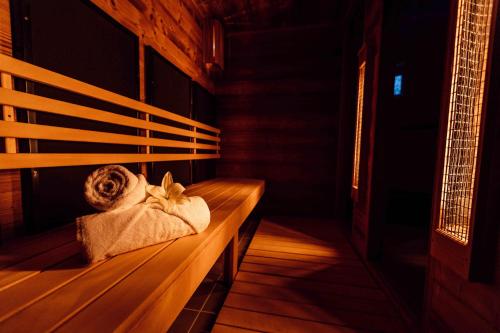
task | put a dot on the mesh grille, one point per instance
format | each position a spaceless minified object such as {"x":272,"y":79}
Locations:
{"x":359,"y":123}
{"x":464,"y":117}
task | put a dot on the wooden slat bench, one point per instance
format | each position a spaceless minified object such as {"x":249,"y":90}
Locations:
{"x":46,"y":286}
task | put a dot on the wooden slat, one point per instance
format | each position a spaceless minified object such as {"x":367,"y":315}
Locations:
{"x":308,"y":280}
{"x":303,"y":257}
{"x":324,"y":299}
{"x":298,"y":244}
{"x":325,"y":252}
{"x":31,"y":72}
{"x":329,"y":275}
{"x":357,"y":320}
{"x":33,"y":131}
{"x":301,"y":264}
{"x":26,"y":248}
{"x":36,"y":287}
{"x":18,"y":161}
{"x":274,"y":323}
{"x":78,"y":294}
{"x":17,"y":273}
{"x":8,"y":113}
{"x":39,"y":103}
{"x":219,"y":328}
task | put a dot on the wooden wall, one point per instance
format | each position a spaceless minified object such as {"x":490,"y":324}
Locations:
{"x":463,"y":305}
{"x":173,"y":28}
{"x":10,"y":189}
{"x":277,"y":108}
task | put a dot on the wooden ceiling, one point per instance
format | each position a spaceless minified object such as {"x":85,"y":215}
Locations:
{"x":240,"y":15}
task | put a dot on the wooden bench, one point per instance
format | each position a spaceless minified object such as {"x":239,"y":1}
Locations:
{"x":46,"y":286}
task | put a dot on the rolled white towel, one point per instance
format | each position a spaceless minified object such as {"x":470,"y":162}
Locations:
{"x":114,"y":186}
{"x":129,"y":221}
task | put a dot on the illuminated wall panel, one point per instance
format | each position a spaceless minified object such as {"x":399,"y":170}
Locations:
{"x":464,"y":117}
{"x":359,"y":123}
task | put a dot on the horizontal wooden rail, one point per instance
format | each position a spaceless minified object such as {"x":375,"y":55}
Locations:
{"x":34,"y":73}
{"x":12,"y":130}
{"x":19,"y":161}
{"x":38,"y":103}
{"x":32,"y":131}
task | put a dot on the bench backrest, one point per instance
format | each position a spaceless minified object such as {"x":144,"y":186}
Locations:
{"x":189,"y":131}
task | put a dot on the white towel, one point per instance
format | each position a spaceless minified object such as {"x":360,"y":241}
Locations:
{"x":121,"y":230}
{"x":114,"y":186}
{"x":129,"y":221}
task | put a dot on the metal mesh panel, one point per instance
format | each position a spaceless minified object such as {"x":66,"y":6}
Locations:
{"x":464,"y":117}
{"x":359,"y":123}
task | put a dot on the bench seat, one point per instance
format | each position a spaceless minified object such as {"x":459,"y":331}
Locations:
{"x":46,"y":286}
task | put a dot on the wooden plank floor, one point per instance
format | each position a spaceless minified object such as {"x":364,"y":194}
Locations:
{"x":302,"y":275}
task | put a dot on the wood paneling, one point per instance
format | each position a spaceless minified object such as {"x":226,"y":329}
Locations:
{"x":173,"y":28}
{"x":277,"y":107}
{"x":10,"y":187}
{"x":240,"y":15}
{"x":301,"y":275}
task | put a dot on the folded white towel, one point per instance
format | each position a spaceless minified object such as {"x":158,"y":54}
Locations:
{"x":130,"y":221}
{"x":170,"y":198}
{"x":114,"y":186}
{"x":121,"y":230}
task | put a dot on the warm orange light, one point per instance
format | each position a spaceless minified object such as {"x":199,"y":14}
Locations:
{"x":359,"y":124}
{"x":464,"y":117}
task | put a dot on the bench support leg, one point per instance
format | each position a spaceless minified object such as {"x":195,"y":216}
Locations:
{"x":231,"y":260}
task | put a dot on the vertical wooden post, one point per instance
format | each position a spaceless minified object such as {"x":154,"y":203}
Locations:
{"x":218,"y":144}
{"x":231,"y":260}
{"x":8,"y":114}
{"x":194,"y":140}
{"x":142,"y":97}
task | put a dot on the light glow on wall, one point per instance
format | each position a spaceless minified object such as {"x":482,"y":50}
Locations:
{"x":464,"y":117}
{"x":359,"y":125}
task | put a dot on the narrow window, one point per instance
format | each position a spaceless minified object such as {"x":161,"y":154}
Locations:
{"x":359,"y":123}
{"x":464,"y":117}
{"x":398,"y":85}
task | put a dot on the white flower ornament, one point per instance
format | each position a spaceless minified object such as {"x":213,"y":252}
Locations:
{"x":167,"y":195}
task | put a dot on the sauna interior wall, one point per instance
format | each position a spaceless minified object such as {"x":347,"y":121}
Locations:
{"x":456,"y":304}
{"x":173,"y":28}
{"x":277,"y":106}
{"x":407,"y":124}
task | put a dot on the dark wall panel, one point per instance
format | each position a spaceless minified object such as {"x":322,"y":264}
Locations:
{"x":170,"y":89}
{"x":277,"y":109}
{"x":203,"y":111}
{"x":76,"y":39}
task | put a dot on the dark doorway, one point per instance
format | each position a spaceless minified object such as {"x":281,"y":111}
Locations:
{"x":406,"y":141}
